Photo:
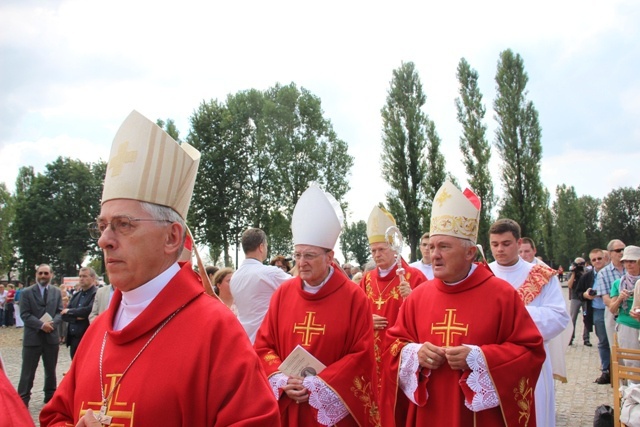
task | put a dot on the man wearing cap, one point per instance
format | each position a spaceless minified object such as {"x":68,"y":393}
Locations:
{"x":539,"y":288}
{"x":464,"y":350}
{"x":622,"y":295}
{"x":164,"y":352}
{"x":424,"y":263}
{"x":326,"y":314}
{"x":386,"y":286}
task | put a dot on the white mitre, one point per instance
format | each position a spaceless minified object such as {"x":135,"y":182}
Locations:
{"x":454,"y":213}
{"x":379,"y":221}
{"x":317,"y":219}
{"x":146,"y":164}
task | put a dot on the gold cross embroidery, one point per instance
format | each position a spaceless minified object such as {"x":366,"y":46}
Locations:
{"x":308,"y":328}
{"x":444,"y":195}
{"x":123,"y":156}
{"x":115,"y":409}
{"x":449,"y":327}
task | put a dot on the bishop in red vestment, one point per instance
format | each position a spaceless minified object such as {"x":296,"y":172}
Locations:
{"x":326,"y":314}
{"x":464,"y":349}
{"x":214,"y":380}
{"x":483,"y":311}
{"x":164,"y":353}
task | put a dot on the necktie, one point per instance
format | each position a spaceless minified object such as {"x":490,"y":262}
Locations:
{"x":44,"y":296}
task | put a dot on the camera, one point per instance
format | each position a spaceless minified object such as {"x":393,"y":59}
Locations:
{"x":577,"y":267}
{"x":592,"y":292}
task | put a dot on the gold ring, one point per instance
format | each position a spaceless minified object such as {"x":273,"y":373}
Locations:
{"x":429,"y":360}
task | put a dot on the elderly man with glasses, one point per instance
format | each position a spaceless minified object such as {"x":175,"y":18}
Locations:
{"x":164,"y":352}
{"x":324,"y":315}
{"x":609,"y":274}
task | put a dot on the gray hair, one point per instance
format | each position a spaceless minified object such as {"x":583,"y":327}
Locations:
{"x":91,"y":271}
{"x":165,"y":213}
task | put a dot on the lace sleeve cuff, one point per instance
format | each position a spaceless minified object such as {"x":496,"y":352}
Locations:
{"x":277,"y":382}
{"x":330,"y":408}
{"x":479,"y":381}
{"x":409,"y":369}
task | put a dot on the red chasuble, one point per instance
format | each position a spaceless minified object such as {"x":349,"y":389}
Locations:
{"x":385,"y":300}
{"x":484,"y":311}
{"x":199,"y":370}
{"x":336,"y":326}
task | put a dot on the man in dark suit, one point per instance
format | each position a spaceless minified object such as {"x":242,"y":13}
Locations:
{"x":40,"y":307}
{"x":79,"y":308}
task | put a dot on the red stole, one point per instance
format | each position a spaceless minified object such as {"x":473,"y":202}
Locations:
{"x":538,"y":277}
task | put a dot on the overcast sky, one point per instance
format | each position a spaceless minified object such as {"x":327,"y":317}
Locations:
{"x":71,"y":71}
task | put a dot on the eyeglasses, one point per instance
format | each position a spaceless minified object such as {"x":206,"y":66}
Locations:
{"x":596,"y":259}
{"x":307,"y":256}
{"x":42,"y":273}
{"x":617,"y":250}
{"x":121,"y":225}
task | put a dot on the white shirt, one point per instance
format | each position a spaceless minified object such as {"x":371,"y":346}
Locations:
{"x":252,"y":286}
{"x":135,"y":301}
{"x":549,"y":312}
{"x":427,"y":269}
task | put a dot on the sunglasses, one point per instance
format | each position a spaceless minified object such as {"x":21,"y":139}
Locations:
{"x":596,"y":259}
{"x":617,"y":250}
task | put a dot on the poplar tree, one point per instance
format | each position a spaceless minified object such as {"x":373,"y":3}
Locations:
{"x":569,"y":240}
{"x":404,"y":165}
{"x":475,"y":148}
{"x":518,"y":142}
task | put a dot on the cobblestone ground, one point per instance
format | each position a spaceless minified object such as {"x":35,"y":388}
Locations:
{"x":576,"y":400}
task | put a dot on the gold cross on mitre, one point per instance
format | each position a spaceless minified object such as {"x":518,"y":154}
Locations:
{"x":449,"y":327}
{"x":308,"y":328}
{"x":117,"y":162}
{"x":442,"y":197}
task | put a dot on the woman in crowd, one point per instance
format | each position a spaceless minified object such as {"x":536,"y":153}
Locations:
{"x":282,"y":263}
{"x":221,"y":286}
{"x":622,"y":296}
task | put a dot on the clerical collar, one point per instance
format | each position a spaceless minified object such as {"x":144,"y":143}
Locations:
{"x":315,"y":289}
{"x":383,"y":273}
{"x":473,"y":268}
{"x":136,"y":300}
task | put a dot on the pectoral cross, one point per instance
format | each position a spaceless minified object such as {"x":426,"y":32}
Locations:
{"x":379,"y":302}
{"x":102,"y":415}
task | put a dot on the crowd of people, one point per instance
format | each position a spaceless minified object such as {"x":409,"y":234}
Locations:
{"x":447,"y":340}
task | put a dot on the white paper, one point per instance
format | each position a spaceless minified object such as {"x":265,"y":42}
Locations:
{"x":46,"y":317}
{"x":301,"y":363}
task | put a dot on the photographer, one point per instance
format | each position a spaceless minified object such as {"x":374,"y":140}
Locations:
{"x":578,"y":303}
{"x":585,"y":285}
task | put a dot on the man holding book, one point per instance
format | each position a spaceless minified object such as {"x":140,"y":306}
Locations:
{"x":327,"y":315}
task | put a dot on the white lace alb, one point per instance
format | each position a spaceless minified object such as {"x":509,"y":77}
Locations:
{"x":479,"y":381}
{"x":409,"y":370}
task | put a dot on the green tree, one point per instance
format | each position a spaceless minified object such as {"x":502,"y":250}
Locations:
{"x":404,"y":141}
{"x":569,"y":239}
{"x":544,"y":245}
{"x":355,"y":243}
{"x":590,"y":208}
{"x":52,"y":213}
{"x":212,"y":212}
{"x":261,"y":151}
{"x":475,"y":148}
{"x":621,"y":215}
{"x":170,"y":127}
{"x":7,"y":251}
{"x":518,"y":142}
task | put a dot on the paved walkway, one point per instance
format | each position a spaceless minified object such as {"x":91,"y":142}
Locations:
{"x":576,"y":400}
